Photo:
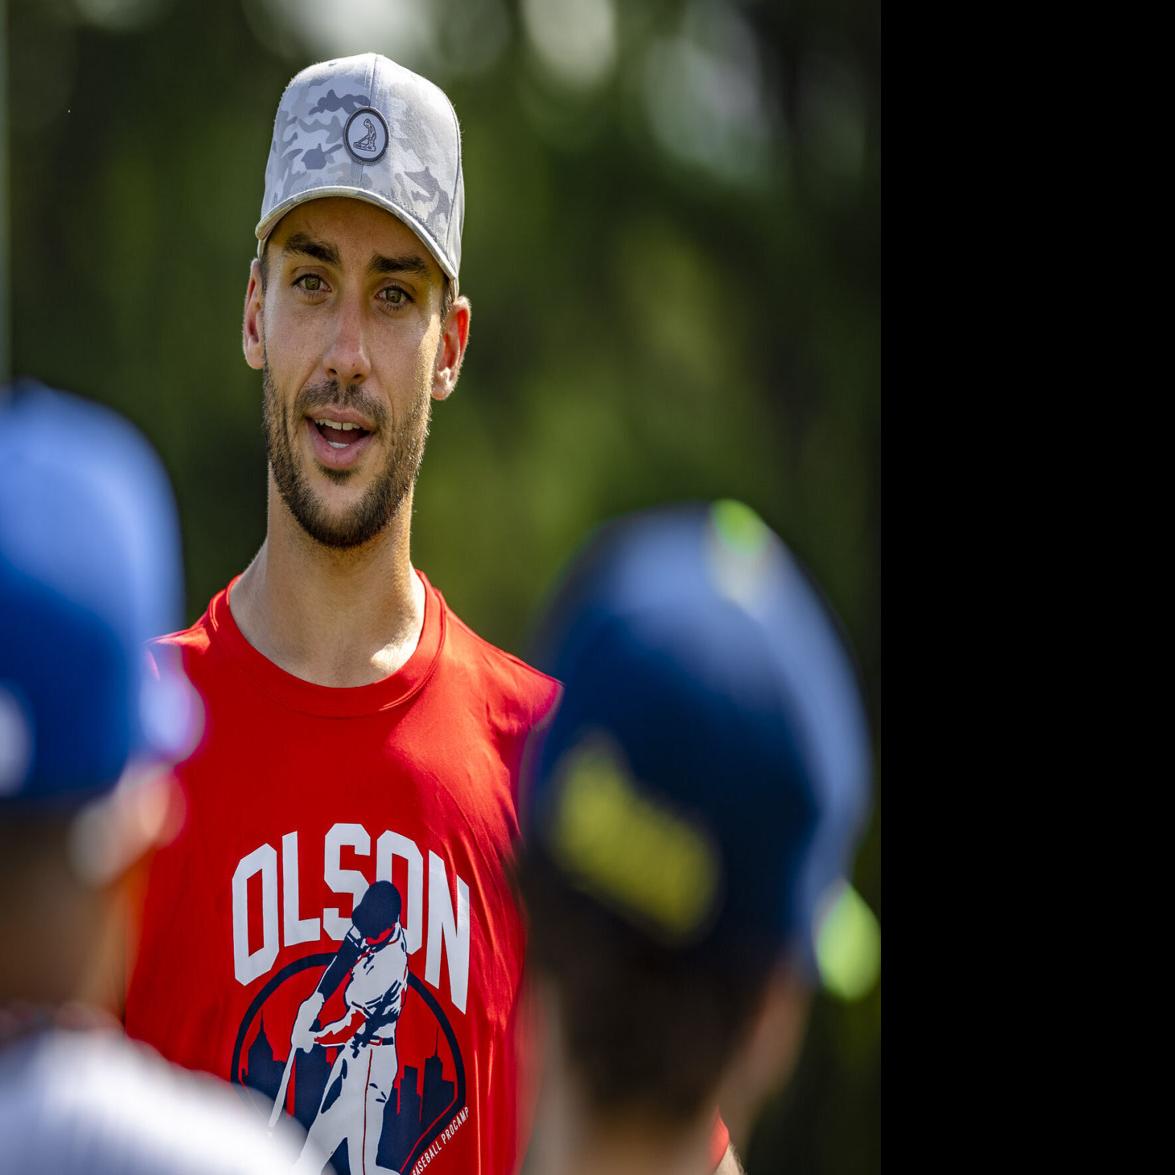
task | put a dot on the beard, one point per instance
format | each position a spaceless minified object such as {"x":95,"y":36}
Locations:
{"x":375,"y":510}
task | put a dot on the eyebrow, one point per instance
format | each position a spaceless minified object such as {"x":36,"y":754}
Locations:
{"x":305,"y":246}
{"x":409,"y":263}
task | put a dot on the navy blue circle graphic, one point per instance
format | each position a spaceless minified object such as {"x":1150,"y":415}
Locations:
{"x":405,"y":1141}
{"x":366,"y":135}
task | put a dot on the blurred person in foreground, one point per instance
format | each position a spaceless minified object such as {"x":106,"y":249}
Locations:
{"x":89,"y":725}
{"x":690,"y":817}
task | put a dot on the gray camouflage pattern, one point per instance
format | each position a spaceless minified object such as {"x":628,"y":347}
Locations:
{"x":418,"y":177}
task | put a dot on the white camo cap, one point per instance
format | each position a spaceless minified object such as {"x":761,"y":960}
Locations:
{"x":368,"y":128}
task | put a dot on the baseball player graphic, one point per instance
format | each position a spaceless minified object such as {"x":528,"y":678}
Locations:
{"x":376,"y":955}
{"x":367,"y":143}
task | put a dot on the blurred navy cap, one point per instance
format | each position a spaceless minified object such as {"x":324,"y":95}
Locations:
{"x":706,"y":773}
{"x":90,"y":570}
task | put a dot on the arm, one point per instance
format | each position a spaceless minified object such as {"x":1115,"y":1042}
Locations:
{"x":343,"y":961}
{"x":341,"y":1031}
{"x":303,"y":1034}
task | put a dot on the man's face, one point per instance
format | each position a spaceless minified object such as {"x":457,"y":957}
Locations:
{"x":351,"y":345}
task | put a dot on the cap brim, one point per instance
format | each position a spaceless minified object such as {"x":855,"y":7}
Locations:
{"x":268,"y":223}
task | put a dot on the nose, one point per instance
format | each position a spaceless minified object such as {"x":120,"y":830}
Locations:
{"x":346,"y":358}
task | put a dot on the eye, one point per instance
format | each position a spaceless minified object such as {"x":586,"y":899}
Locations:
{"x":394,"y":296}
{"x":311,"y":283}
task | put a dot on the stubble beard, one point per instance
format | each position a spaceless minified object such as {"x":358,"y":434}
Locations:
{"x":384,"y":497}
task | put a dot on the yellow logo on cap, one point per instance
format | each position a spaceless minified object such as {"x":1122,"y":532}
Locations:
{"x":629,"y":849}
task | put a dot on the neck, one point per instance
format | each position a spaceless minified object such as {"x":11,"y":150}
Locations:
{"x":570,"y":1139}
{"x":70,"y":935}
{"x":332,"y":617}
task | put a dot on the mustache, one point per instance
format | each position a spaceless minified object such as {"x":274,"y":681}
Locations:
{"x":331,"y":393}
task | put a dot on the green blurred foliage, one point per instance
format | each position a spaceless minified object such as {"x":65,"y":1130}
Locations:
{"x":675,"y":278}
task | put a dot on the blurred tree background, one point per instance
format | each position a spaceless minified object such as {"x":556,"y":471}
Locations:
{"x":672,"y":247}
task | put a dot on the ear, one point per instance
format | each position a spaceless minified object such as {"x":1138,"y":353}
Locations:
{"x":451,"y":352}
{"x":769,"y":1051}
{"x":112,"y":845}
{"x":252,"y":326}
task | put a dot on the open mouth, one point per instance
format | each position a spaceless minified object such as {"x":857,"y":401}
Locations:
{"x":340,"y":434}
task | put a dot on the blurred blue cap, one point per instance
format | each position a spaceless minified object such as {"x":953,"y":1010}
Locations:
{"x":90,"y":570}
{"x":706,"y":773}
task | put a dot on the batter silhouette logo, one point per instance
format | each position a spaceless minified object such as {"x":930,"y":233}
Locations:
{"x":356,"y":1048}
{"x":366,"y":135}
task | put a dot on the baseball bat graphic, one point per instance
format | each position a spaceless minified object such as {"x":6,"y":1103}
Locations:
{"x":343,"y":961}
{"x":280,"y":1101}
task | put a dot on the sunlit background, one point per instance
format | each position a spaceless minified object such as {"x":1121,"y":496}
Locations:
{"x":672,"y":247}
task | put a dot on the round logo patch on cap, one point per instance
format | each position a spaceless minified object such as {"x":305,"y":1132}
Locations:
{"x":366,"y":135}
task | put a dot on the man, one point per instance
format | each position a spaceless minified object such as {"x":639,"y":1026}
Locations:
{"x":89,"y":568}
{"x":357,"y":732}
{"x":689,"y":820}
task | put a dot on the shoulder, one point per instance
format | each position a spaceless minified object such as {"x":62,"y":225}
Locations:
{"x":517,"y":691}
{"x":103,"y":1103}
{"x":192,"y":644}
